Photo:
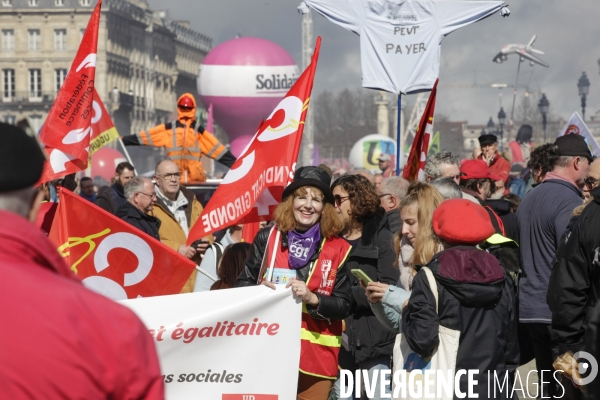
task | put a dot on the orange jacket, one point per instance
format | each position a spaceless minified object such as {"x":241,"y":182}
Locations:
{"x":185,"y":144}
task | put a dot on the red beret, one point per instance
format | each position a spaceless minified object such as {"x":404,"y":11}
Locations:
{"x":460,"y":221}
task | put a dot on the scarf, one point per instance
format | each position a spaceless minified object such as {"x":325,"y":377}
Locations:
{"x":405,"y":264}
{"x":302,"y":246}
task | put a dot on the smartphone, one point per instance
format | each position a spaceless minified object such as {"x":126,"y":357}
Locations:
{"x":361,"y":276}
{"x":198,"y":242}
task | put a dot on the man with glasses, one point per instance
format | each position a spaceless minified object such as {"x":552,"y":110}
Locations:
{"x":178,"y":210}
{"x":140,"y":195}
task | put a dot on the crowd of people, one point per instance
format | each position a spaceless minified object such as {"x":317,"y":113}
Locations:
{"x":514,"y":250}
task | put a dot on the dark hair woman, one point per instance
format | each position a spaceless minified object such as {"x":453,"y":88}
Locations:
{"x":366,"y":229}
{"x":303,"y":250}
{"x":231,"y":265}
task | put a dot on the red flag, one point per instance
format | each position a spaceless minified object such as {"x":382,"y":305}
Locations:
{"x":415,"y":166}
{"x":113,"y":257}
{"x":252,"y":188}
{"x":66,"y":132}
{"x":103,"y":129}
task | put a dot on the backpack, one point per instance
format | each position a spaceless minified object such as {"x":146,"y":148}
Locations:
{"x":506,"y":252}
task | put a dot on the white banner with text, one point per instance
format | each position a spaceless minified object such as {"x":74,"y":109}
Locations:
{"x":232,"y":344}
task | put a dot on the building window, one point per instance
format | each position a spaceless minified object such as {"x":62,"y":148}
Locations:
{"x":8,"y":39}
{"x":86,"y":2}
{"x":7,"y":3}
{"x":35,"y":83}
{"x":59,"y":3}
{"x":8,"y":84}
{"x":81,"y":33}
{"x":34,"y":39}
{"x":33,"y":3}
{"x":10,"y":119}
{"x":60,"y":39}
{"x":60,"y":75}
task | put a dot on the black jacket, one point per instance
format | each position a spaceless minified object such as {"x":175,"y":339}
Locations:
{"x":574,"y":286}
{"x":502,"y":208}
{"x":592,"y":346}
{"x":110,"y":198}
{"x":375,"y":256}
{"x":475,"y":298}
{"x":144,"y":222}
{"x":334,"y":307}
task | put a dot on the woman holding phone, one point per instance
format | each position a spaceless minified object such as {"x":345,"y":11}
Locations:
{"x":414,"y":245}
{"x":303,"y":249}
{"x":366,"y":228}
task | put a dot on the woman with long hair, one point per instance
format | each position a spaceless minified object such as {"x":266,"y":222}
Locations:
{"x":231,"y":265}
{"x":304,"y":250}
{"x":414,"y":244}
{"x":366,"y":229}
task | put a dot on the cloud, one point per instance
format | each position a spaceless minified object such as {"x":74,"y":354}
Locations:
{"x":566,"y":31}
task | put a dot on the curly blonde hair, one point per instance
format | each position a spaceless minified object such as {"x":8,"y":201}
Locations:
{"x":427,"y":199}
{"x":284,"y":214}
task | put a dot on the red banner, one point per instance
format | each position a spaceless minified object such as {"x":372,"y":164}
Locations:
{"x":113,"y":257}
{"x":252,"y":189}
{"x":415,"y":166}
{"x":66,"y":132}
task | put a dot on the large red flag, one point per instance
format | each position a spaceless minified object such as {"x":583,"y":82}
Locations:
{"x":113,"y":257}
{"x":415,"y":166}
{"x":66,"y":132}
{"x":252,"y":188}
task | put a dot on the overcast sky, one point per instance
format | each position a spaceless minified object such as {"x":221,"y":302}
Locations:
{"x":567,"y":31}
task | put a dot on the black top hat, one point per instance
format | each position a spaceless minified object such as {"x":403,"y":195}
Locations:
{"x":311,"y":176}
{"x":485,"y":140}
{"x":572,"y":145}
{"x":21,"y":159}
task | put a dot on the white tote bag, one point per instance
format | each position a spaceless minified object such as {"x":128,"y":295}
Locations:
{"x":441,"y":365}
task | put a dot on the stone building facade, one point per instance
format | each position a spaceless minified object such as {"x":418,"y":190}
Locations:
{"x":145,"y":61}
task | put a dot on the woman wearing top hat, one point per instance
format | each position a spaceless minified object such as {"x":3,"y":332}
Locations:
{"x":303,"y":250}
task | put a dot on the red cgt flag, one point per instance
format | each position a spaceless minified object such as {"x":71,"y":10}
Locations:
{"x":252,"y":189}
{"x":67,"y":130}
{"x":415,"y":166}
{"x":113,"y":257}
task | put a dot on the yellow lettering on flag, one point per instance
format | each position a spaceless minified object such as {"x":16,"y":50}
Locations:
{"x":64,"y":250}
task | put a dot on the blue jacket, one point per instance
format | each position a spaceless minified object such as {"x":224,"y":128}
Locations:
{"x":542,"y":216}
{"x":389,"y":310}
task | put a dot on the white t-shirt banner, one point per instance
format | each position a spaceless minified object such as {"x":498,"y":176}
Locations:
{"x":232,"y":344}
{"x":400,"y":40}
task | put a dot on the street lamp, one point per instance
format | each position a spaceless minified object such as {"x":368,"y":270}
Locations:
{"x":544,"y":105}
{"x":501,"y":120}
{"x":490,"y":126}
{"x":584,"y":88}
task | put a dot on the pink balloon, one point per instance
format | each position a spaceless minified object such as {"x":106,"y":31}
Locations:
{"x":105,"y":161}
{"x":244,"y":79}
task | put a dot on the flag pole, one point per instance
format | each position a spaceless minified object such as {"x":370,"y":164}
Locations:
{"x":398,"y":136}
{"x":127,"y":155}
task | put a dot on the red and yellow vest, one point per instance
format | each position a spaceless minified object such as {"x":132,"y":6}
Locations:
{"x":320,"y":339}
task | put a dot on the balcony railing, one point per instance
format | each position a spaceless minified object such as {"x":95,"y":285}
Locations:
{"x":27,"y":97}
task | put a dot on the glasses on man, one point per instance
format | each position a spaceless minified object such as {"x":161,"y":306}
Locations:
{"x":340,"y":199}
{"x":152,"y":196}
{"x":381,"y":196}
{"x":591,"y":182}
{"x":168,"y":177}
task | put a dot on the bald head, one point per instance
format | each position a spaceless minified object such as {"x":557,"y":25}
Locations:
{"x":166,"y":176}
